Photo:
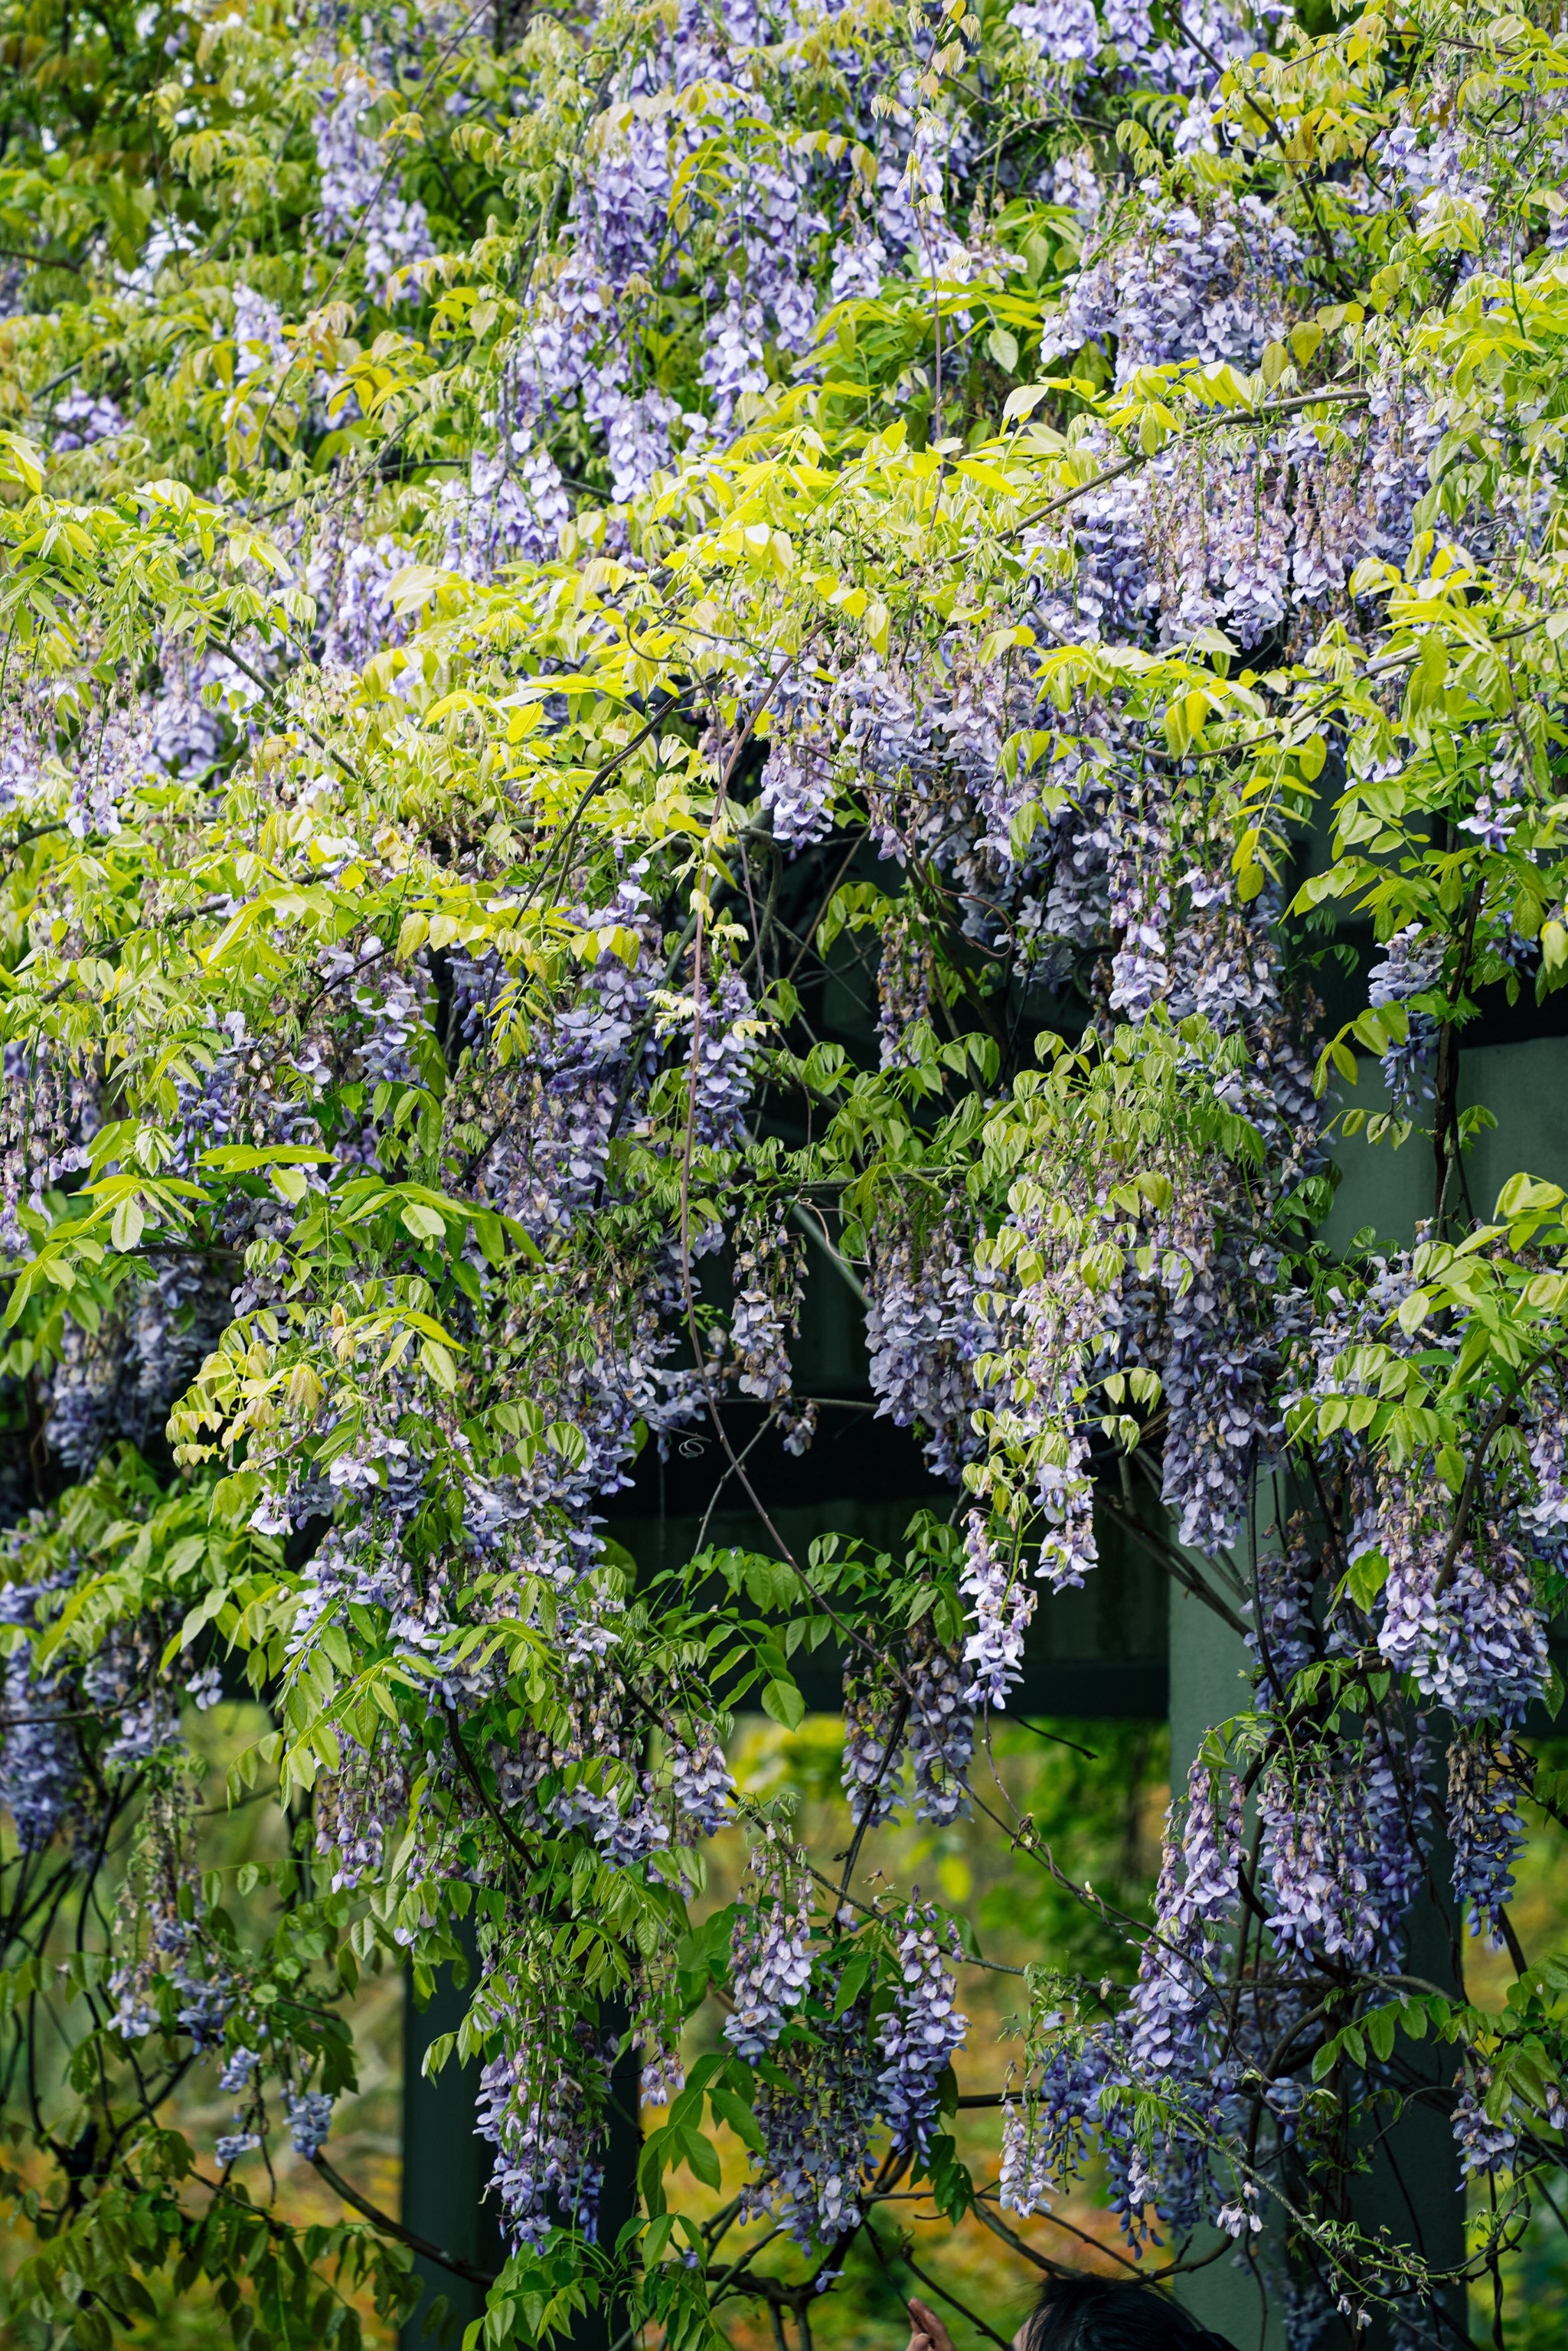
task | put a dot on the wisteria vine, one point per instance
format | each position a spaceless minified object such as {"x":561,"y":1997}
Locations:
{"x":549,"y":557}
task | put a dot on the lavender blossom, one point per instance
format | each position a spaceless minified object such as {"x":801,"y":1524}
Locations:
{"x":310,"y":2120}
{"x":258,"y":332}
{"x":734,"y":366}
{"x":26,"y":740}
{"x":171,"y":1963}
{"x":1484,"y":1829}
{"x":1002,"y":1605}
{"x":1548,"y":1428}
{"x":1047,"y":2121}
{"x":923,"y":2029}
{"x":81,"y":419}
{"x":1487,"y":2146}
{"x":361,"y":197}
{"x":178,"y":1319}
{"x":1174,"y":1995}
{"x":817,"y":2127}
{"x":1217,"y":1414}
{"x":1407,"y":966}
{"x":1342,"y":1847}
{"x":352,"y":590}
{"x":541,"y":2108}
{"x":238,"y":2071}
{"x":591,"y":1066}
{"x":1284,"y":1638}
{"x":1069,"y":1548}
{"x":1211,"y":1852}
{"x":114,"y":758}
{"x":84,"y":1395}
{"x":772,"y":1950}
{"x":662,"y":2075}
{"x":1168,"y":2046}
{"x":1061,"y":32}
{"x":702,"y":1785}
{"x":40,"y":1764}
{"x":205,"y":1688}
{"x":903,"y":983}
{"x":798,"y":780}
{"x":515,"y":504}
{"x":923,"y":1330}
{"x":1479,"y":1647}
{"x":768,"y":1287}
{"x":1185,"y":286}
{"x":874,"y":1713}
{"x":1024,"y":2178}
{"x":359,"y":1805}
{"x":723,"y":1056}
{"x":941,"y":1726}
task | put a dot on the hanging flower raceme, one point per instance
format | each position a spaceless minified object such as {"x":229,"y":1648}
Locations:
{"x":817,"y":2123}
{"x":771,"y":1947}
{"x":1484,"y":1829}
{"x":905,"y":981}
{"x":1487,"y":2143}
{"x":1002,"y":1605}
{"x":361,"y":199}
{"x":941,"y":1728}
{"x":768,"y":1288}
{"x":924,"y":2028}
{"x":1048,"y":2119}
{"x":48,"y":1118}
{"x":875,"y":1712}
{"x":359,"y":1806}
{"x":702,"y":1785}
{"x":797,"y":788}
{"x":1169,"y":2041}
{"x":925,"y":1328}
{"x":41,"y":1760}
{"x":1467,"y":1623}
{"x":1069,"y":1548}
{"x":1345,"y":1846}
{"x":541,"y":2106}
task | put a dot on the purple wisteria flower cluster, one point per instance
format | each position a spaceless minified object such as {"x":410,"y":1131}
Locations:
{"x":1002,"y":1605}
{"x":540,"y":2107}
{"x":769,"y":1267}
{"x":817,"y":2112}
{"x":925,"y":1327}
{"x":771,"y":1948}
{"x":361,"y":199}
{"x":923,"y":2031}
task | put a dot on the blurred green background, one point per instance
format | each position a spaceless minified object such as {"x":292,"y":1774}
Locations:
{"x":1096,"y":1790}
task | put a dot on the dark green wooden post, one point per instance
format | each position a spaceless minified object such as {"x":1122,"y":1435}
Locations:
{"x":444,"y":2167}
{"x":599,"y":2329}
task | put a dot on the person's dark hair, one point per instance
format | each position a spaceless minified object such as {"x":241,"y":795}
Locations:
{"x":1097,"y":2314}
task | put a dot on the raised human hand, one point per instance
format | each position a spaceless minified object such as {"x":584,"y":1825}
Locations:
{"x":927,"y":2332}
